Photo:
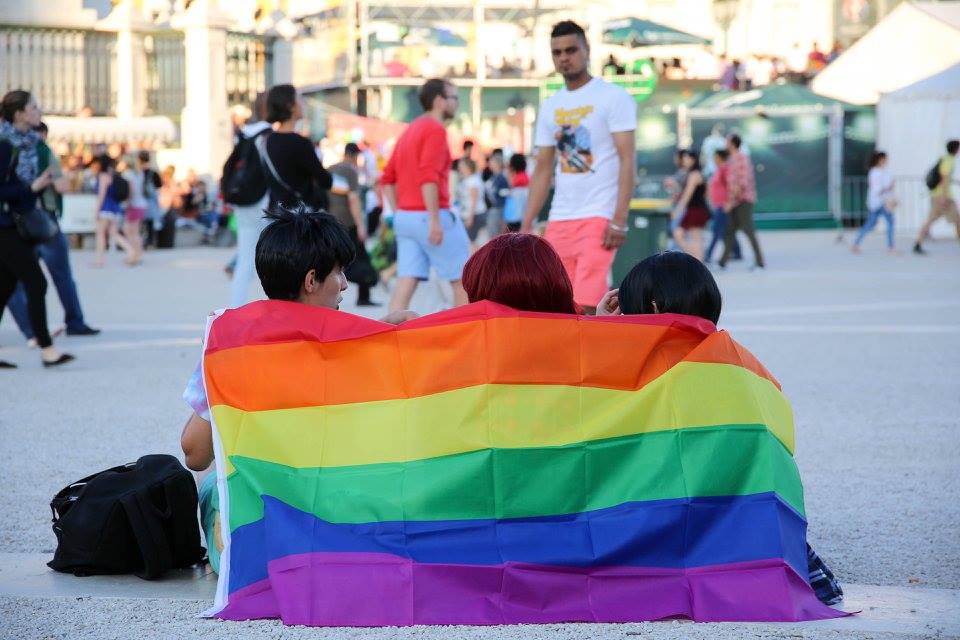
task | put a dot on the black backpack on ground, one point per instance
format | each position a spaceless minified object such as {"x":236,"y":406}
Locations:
{"x":244,"y":182}
{"x":137,"y":518}
{"x":933,"y":176}
{"x":120,"y":188}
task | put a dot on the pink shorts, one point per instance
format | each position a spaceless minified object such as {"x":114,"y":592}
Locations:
{"x":580,"y":245}
{"x":136,"y":214}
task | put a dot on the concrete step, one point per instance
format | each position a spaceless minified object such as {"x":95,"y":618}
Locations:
{"x":915,"y":611}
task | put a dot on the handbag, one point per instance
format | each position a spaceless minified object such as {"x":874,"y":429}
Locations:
{"x":35,"y":225}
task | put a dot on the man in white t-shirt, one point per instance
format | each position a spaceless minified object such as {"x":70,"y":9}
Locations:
{"x":588,"y":129}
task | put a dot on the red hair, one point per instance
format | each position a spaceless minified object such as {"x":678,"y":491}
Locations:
{"x":521,"y":271}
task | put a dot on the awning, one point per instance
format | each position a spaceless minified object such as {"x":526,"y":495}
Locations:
{"x":634,"y":32}
{"x":108,"y":130}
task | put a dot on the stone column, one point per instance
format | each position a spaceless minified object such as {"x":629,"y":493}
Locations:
{"x":205,"y":130}
{"x":131,"y":69}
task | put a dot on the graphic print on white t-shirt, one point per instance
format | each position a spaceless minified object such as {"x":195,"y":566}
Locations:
{"x":580,"y":125}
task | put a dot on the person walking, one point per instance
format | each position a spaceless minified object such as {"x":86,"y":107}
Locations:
{"x":18,"y":260}
{"x":497,"y":188}
{"x":112,"y":192}
{"x":471,"y":201}
{"x":245,"y":188}
{"x":717,"y":192}
{"x":690,"y":215}
{"x":416,"y":186}
{"x":151,"y":194}
{"x":136,"y":211}
{"x":880,"y":200}
{"x":294,"y":172}
{"x":741,"y":198}
{"x":55,"y":252}
{"x":516,"y":202}
{"x":588,"y":127}
{"x":345,"y":206}
{"x":943,"y":202}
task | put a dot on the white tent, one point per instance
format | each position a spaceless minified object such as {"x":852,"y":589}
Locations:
{"x":914,"y":41}
{"x":913,"y":124}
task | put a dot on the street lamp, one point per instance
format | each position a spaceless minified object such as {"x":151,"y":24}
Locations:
{"x":724,"y":12}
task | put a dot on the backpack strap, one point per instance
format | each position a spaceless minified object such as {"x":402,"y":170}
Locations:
{"x":261,"y":144}
{"x":145,"y":522}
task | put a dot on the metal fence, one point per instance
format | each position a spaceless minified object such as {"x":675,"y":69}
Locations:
{"x":67,"y":70}
{"x":249,"y":67}
{"x":166,"y":73}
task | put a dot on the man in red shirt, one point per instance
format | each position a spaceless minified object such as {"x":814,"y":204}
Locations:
{"x":416,"y":187}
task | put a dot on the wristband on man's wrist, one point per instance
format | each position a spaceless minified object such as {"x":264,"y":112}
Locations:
{"x":616,"y":227}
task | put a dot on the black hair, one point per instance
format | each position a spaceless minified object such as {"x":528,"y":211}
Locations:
{"x":144,"y":156}
{"x":430,"y":90}
{"x":13,"y":101}
{"x":42,"y":128}
{"x":518,"y":162}
{"x":953,"y":146}
{"x":296,"y":241}
{"x":673,"y":281}
{"x":875,"y":159}
{"x":722,"y":153}
{"x":106,"y":163}
{"x":568,"y":28}
{"x":467,"y":144}
{"x":689,"y":153}
{"x":281,"y":100}
{"x":351,"y":150}
{"x":735,"y":140}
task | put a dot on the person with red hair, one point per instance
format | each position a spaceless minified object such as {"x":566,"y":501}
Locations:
{"x":521,"y":271}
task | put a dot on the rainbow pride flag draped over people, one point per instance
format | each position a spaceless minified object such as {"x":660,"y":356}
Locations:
{"x":489,"y":466}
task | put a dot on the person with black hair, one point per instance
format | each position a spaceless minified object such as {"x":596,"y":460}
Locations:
{"x":301,"y":257}
{"x":109,"y":212}
{"x":943,"y":203}
{"x":690,"y":215}
{"x":880,"y":200}
{"x":588,"y":127}
{"x":345,"y":206}
{"x":675,"y":282}
{"x":416,"y":186}
{"x":667,"y":282}
{"x":741,"y":198}
{"x":516,"y":202}
{"x":294,"y":172}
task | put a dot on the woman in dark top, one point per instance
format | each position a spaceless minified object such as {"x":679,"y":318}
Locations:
{"x":18,"y":261}
{"x":691,"y":214}
{"x":294,"y":171}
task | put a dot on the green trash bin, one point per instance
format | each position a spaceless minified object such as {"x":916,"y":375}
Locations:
{"x":649,"y":228}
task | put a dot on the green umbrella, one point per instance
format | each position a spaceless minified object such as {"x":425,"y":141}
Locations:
{"x":633,"y":32}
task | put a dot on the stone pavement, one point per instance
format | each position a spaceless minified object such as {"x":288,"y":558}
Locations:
{"x":867,"y":348}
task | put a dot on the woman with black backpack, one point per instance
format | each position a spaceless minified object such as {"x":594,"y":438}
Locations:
{"x":112,"y":191}
{"x":294,"y":171}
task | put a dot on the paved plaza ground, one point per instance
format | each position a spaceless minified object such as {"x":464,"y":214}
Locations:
{"x":867,"y":348}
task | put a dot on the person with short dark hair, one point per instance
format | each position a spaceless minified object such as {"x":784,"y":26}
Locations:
{"x":717,"y":192}
{"x":667,"y":282}
{"x":497,"y":189}
{"x":741,"y":198}
{"x":588,"y":127}
{"x":301,"y":257}
{"x":470,"y":200}
{"x":345,"y":206}
{"x":516,"y":202}
{"x":522,"y":271}
{"x":294,"y":171}
{"x":943,"y":202}
{"x":416,"y":186}
{"x":880,"y":200}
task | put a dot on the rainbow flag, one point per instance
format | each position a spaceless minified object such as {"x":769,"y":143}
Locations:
{"x":489,"y":466}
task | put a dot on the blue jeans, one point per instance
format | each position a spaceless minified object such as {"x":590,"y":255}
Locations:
{"x":872,"y":222}
{"x":56,"y":254}
{"x":718,"y":226}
